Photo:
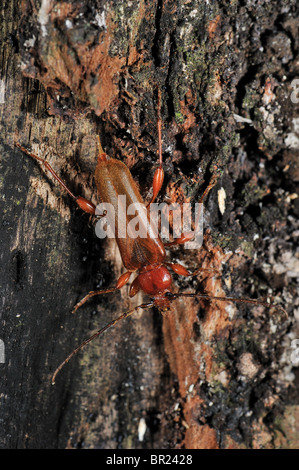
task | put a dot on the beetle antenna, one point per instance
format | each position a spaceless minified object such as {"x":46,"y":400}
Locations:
{"x":98,"y":333}
{"x":227,"y":299}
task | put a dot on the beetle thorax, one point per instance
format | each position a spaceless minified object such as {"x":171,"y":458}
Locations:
{"x":154,"y":280}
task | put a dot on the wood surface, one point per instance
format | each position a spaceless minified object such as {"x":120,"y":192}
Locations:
{"x":206,"y":375}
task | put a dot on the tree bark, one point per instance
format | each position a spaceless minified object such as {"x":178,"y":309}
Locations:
{"x":206,"y":374}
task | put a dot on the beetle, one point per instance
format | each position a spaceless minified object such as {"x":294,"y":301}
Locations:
{"x":143,"y":256}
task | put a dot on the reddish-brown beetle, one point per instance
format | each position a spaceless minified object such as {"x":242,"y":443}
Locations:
{"x":144,"y":256}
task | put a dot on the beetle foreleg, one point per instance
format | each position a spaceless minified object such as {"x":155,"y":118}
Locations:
{"x":124,"y":278}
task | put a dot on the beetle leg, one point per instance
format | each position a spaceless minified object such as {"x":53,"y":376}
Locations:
{"x":123,"y":279}
{"x":182,"y":271}
{"x":159,"y":173}
{"x":184,"y":238}
{"x":84,"y":204}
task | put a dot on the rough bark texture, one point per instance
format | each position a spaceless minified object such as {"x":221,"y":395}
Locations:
{"x":206,"y":375}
